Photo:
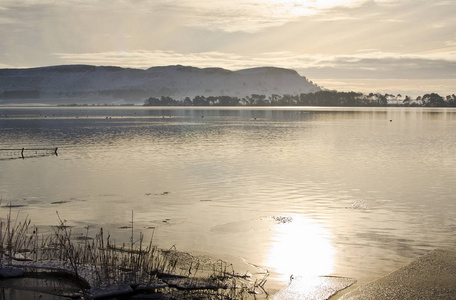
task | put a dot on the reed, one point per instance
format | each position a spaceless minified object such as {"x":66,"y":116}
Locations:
{"x":96,"y":262}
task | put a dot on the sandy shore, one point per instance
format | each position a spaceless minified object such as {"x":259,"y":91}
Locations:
{"x":432,"y":276}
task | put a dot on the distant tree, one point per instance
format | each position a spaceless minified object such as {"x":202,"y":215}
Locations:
{"x":451,"y":100}
{"x":200,"y":101}
{"x":397,"y":98}
{"x":258,"y":100}
{"x":320,"y":98}
{"x":274,"y":99}
{"x":243,"y":102}
{"x":288,"y":100}
{"x":187,"y":101}
{"x":419,"y":100}
{"x":167,"y":101}
{"x":303,"y":99}
{"x":152,"y":102}
{"x":433,"y":100}
{"x":163,"y":101}
{"x":228,"y":101}
{"x":382,"y":99}
{"x":211,"y":100}
{"x":406,"y":101}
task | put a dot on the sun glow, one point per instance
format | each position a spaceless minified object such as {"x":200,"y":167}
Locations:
{"x":301,"y":248}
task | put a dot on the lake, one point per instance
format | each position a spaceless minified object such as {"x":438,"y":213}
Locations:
{"x":354,"y":192}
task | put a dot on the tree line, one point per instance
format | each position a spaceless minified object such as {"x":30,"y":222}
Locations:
{"x":320,"y":98}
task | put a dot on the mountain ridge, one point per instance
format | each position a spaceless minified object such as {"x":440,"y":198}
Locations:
{"x":111,"y":83}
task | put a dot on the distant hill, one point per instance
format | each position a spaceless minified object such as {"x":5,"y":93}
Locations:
{"x":92,"y":84}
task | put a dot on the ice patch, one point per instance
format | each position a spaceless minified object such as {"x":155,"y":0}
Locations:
{"x":364,"y":204}
{"x":313,"y":288}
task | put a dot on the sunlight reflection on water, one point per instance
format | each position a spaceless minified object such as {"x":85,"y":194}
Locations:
{"x":301,"y":247}
{"x":365,"y":195}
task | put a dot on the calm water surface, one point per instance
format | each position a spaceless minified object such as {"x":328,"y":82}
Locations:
{"x":353,"y":192}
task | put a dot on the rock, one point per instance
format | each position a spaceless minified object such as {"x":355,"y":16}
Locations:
{"x":10,"y":272}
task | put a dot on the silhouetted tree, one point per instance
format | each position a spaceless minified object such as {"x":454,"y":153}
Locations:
{"x":451,"y":100}
{"x":320,"y":98}
{"x":200,"y":101}
{"x":228,"y":101}
{"x":167,"y":101}
{"x":419,"y":100}
{"x":187,"y":101}
{"x":258,"y":100}
{"x":274,"y":98}
{"x":406,"y":101}
{"x":152,"y":102}
{"x":433,"y":100}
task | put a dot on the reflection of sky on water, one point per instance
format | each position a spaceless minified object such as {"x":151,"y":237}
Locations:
{"x":365,"y":194}
{"x":301,"y":247}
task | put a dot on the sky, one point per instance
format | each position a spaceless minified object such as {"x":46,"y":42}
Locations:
{"x":405,"y":47}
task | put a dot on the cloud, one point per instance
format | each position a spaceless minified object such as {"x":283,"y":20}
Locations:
{"x":410,"y":87}
{"x":368,"y":71}
{"x":218,"y":15}
{"x":256,"y":15}
{"x":339,"y":38}
{"x":393,"y":21}
{"x":362,"y":65}
{"x":385,"y":65}
{"x":145,"y":59}
{"x":6,"y":21}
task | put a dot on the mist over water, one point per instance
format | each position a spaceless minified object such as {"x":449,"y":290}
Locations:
{"x":355,"y":192}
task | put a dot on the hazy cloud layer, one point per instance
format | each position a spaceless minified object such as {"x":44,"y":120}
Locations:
{"x":413,"y":88}
{"x":328,"y":40}
{"x":363,"y":65}
{"x":225,"y":15}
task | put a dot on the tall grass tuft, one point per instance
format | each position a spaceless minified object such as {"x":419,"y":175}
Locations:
{"x":96,"y":263}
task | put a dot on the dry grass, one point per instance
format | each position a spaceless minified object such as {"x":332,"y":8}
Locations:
{"x":99,"y":264}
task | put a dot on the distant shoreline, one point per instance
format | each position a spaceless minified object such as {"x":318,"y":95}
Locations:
{"x":323,"y":98}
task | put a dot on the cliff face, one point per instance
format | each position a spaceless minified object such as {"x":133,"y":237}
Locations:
{"x":83,"y":81}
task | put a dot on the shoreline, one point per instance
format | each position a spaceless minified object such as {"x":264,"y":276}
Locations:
{"x":431,"y":276}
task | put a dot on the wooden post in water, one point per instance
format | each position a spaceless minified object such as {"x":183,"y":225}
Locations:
{"x":22,"y":152}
